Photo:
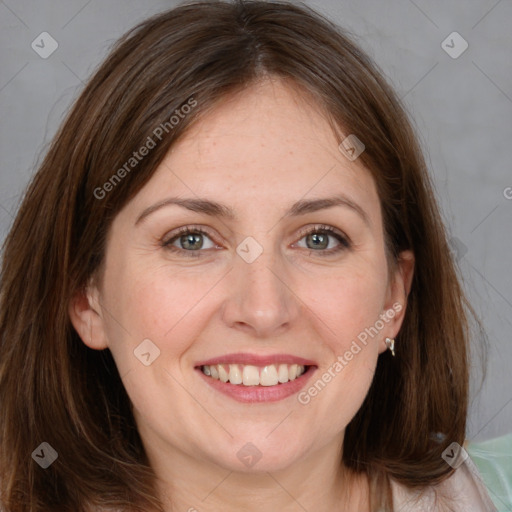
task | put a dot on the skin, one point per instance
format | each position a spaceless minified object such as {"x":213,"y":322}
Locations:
{"x":258,"y":153}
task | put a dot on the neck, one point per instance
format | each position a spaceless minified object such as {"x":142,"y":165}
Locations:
{"x":318,"y":481}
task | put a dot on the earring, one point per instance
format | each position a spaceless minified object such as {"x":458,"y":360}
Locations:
{"x":390,"y":343}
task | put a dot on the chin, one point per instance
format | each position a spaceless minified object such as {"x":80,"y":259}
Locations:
{"x":259,"y":455}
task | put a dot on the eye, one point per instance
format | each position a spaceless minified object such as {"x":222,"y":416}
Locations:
{"x":190,"y":240}
{"x":318,"y":238}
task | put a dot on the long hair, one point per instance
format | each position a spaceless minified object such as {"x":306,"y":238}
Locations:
{"x":54,"y":389}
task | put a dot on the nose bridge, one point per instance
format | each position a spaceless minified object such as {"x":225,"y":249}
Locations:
{"x":259,"y":298}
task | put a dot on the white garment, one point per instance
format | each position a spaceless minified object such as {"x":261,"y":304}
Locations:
{"x":463,"y":491}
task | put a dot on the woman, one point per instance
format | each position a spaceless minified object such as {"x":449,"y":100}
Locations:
{"x":241,"y":295}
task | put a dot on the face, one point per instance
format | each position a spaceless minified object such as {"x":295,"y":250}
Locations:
{"x":279,"y":284}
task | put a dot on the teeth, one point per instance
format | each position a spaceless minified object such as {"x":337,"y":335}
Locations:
{"x":250,"y":375}
{"x":235,"y":375}
{"x":268,"y":376}
{"x":282,"y":374}
{"x":223,"y":374}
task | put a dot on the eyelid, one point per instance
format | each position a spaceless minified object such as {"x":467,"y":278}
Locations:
{"x":344,"y":240}
{"x":183,"y":230}
{"x":323,"y":227}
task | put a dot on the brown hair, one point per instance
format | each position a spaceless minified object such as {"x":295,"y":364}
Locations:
{"x":54,"y":389}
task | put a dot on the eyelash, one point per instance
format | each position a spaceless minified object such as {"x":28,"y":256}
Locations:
{"x":318,"y":229}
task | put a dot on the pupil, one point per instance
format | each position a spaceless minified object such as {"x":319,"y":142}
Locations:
{"x":191,"y":239}
{"x":319,"y":240}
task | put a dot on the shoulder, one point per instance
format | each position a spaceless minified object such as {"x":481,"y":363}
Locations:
{"x":462,"y":491}
{"x":493,"y":458}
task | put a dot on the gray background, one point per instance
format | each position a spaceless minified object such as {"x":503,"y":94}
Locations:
{"x":462,"y":109}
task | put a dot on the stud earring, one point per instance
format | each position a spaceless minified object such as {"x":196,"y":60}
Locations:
{"x":390,"y":343}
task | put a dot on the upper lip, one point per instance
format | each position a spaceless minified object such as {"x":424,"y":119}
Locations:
{"x":256,"y":360}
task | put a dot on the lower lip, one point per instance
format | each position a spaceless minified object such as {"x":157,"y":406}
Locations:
{"x":251,"y":394}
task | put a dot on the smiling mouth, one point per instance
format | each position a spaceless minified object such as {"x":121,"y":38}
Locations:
{"x":251,"y":375}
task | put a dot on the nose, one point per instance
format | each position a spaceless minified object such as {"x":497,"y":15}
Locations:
{"x":260,"y":300}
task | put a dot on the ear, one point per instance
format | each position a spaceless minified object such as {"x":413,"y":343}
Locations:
{"x":399,"y":286}
{"x":85,"y":315}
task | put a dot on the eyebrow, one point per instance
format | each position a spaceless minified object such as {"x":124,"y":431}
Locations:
{"x":215,"y":209}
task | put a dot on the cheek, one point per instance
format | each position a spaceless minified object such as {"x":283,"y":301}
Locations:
{"x":153,"y":303}
{"x":347,"y":306}
{"x":347,"y":302}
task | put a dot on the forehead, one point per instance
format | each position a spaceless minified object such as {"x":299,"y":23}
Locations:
{"x":270,"y":143}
